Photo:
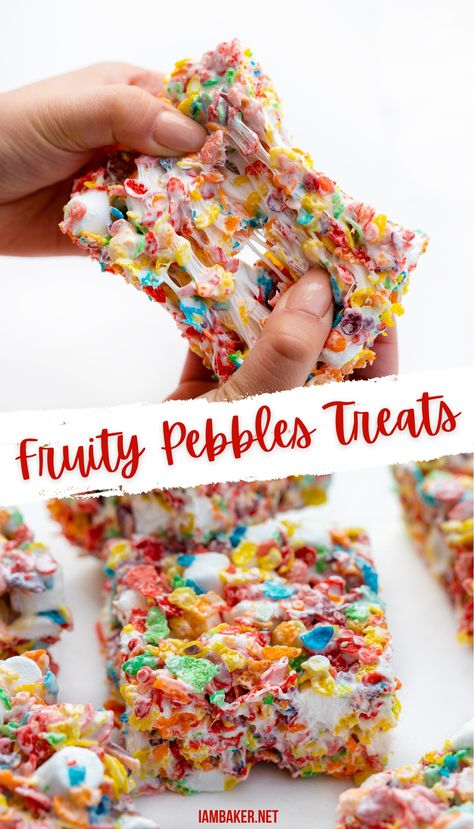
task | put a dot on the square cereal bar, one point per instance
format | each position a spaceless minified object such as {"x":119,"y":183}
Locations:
{"x":276,"y":650}
{"x":183,"y":517}
{"x":437,"y":501}
{"x":33,"y":613}
{"x":58,"y":765}
{"x":435,"y":793}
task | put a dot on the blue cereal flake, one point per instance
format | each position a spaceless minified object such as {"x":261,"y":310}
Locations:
{"x":370,"y":575}
{"x":185,"y":560}
{"x":116,"y":213}
{"x":275,"y":590}
{"x":101,"y":810}
{"x":192,"y":584}
{"x":55,"y":615}
{"x":50,"y":683}
{"x":317,"y":638}
{"x":151,"y":279}
{"x":194,"y":311}
{"x":77,"y":775}
{"x":336,"y":291}
{"x":304,"y":217}
{"x":266,"y":283}
{"x":237,"y":534}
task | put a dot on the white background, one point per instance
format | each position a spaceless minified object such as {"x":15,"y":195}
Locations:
{"x":376,"y":91}
{"x":435,"y":670}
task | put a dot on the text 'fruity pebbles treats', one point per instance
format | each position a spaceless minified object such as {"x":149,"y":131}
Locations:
{"x":181,"y":230}
{"x":437,"y":500}
{"x":59,"y":768}
{"x":435,"y":793}
{"x":33,"y":613}
{"x":278,"y":651}
{"x":184,"y":517}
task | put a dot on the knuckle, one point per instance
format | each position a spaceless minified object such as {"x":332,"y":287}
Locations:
{"x":52,"y":120}
{"x":289,"y":347}
{"x":127,"y":102}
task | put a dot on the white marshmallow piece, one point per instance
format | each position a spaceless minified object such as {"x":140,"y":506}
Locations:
{"x":204,"y":571}
{"x":97,"y":217}
{"x":127,"y":601}
{"x":19,"y":671}
{"x":135,"y":822}
{"x":463,"y":738}
{"x":29,"y":603}
{"x":70,"y":767}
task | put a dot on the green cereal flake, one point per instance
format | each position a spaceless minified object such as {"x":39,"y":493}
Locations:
{"x":195,"y":672}
{"x":218,"y":698}
{"x":321,"y":560}
{"x":296,"y":662}
{"x":140,"y":247}
{"x":4,"y":699}
{"x":132,"y":666}
{"x":431,"y":775}
{"x":358,"y":611}
{"x":337,"y":205}
{"x":54,"y":739}
{"x":156,"y":626}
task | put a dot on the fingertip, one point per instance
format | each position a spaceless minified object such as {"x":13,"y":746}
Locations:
{"x":311,"y":295}
{"x":291,"y":340}
{"x":177,"y":131}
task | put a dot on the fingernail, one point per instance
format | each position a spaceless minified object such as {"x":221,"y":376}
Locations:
{"x":312,"y":294}
{"x":178,"y":132}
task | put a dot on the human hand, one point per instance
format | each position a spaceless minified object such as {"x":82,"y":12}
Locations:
{"x":284,"y":355}
{"x":52,"y":129}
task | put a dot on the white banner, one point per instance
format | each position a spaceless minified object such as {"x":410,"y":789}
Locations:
{"x":314,"y":430}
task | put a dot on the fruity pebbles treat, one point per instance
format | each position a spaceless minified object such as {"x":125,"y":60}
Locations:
{"x":277,"y":651}
{"x":183,"y":230}
{"x":435,"y":793}
{"x":58,"y":766}
{"x":437,"y":500}
{"x":183,"y":517}
{"x":32,"y":609}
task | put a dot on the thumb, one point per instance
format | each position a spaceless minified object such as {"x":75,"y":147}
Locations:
{"x":291,"y":341}
{"x":119,"y":114}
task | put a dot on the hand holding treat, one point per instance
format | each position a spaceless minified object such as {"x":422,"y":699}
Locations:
{"x":59,"y":128}
{"x":186,"y":232}
{"x":51,"y":129}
